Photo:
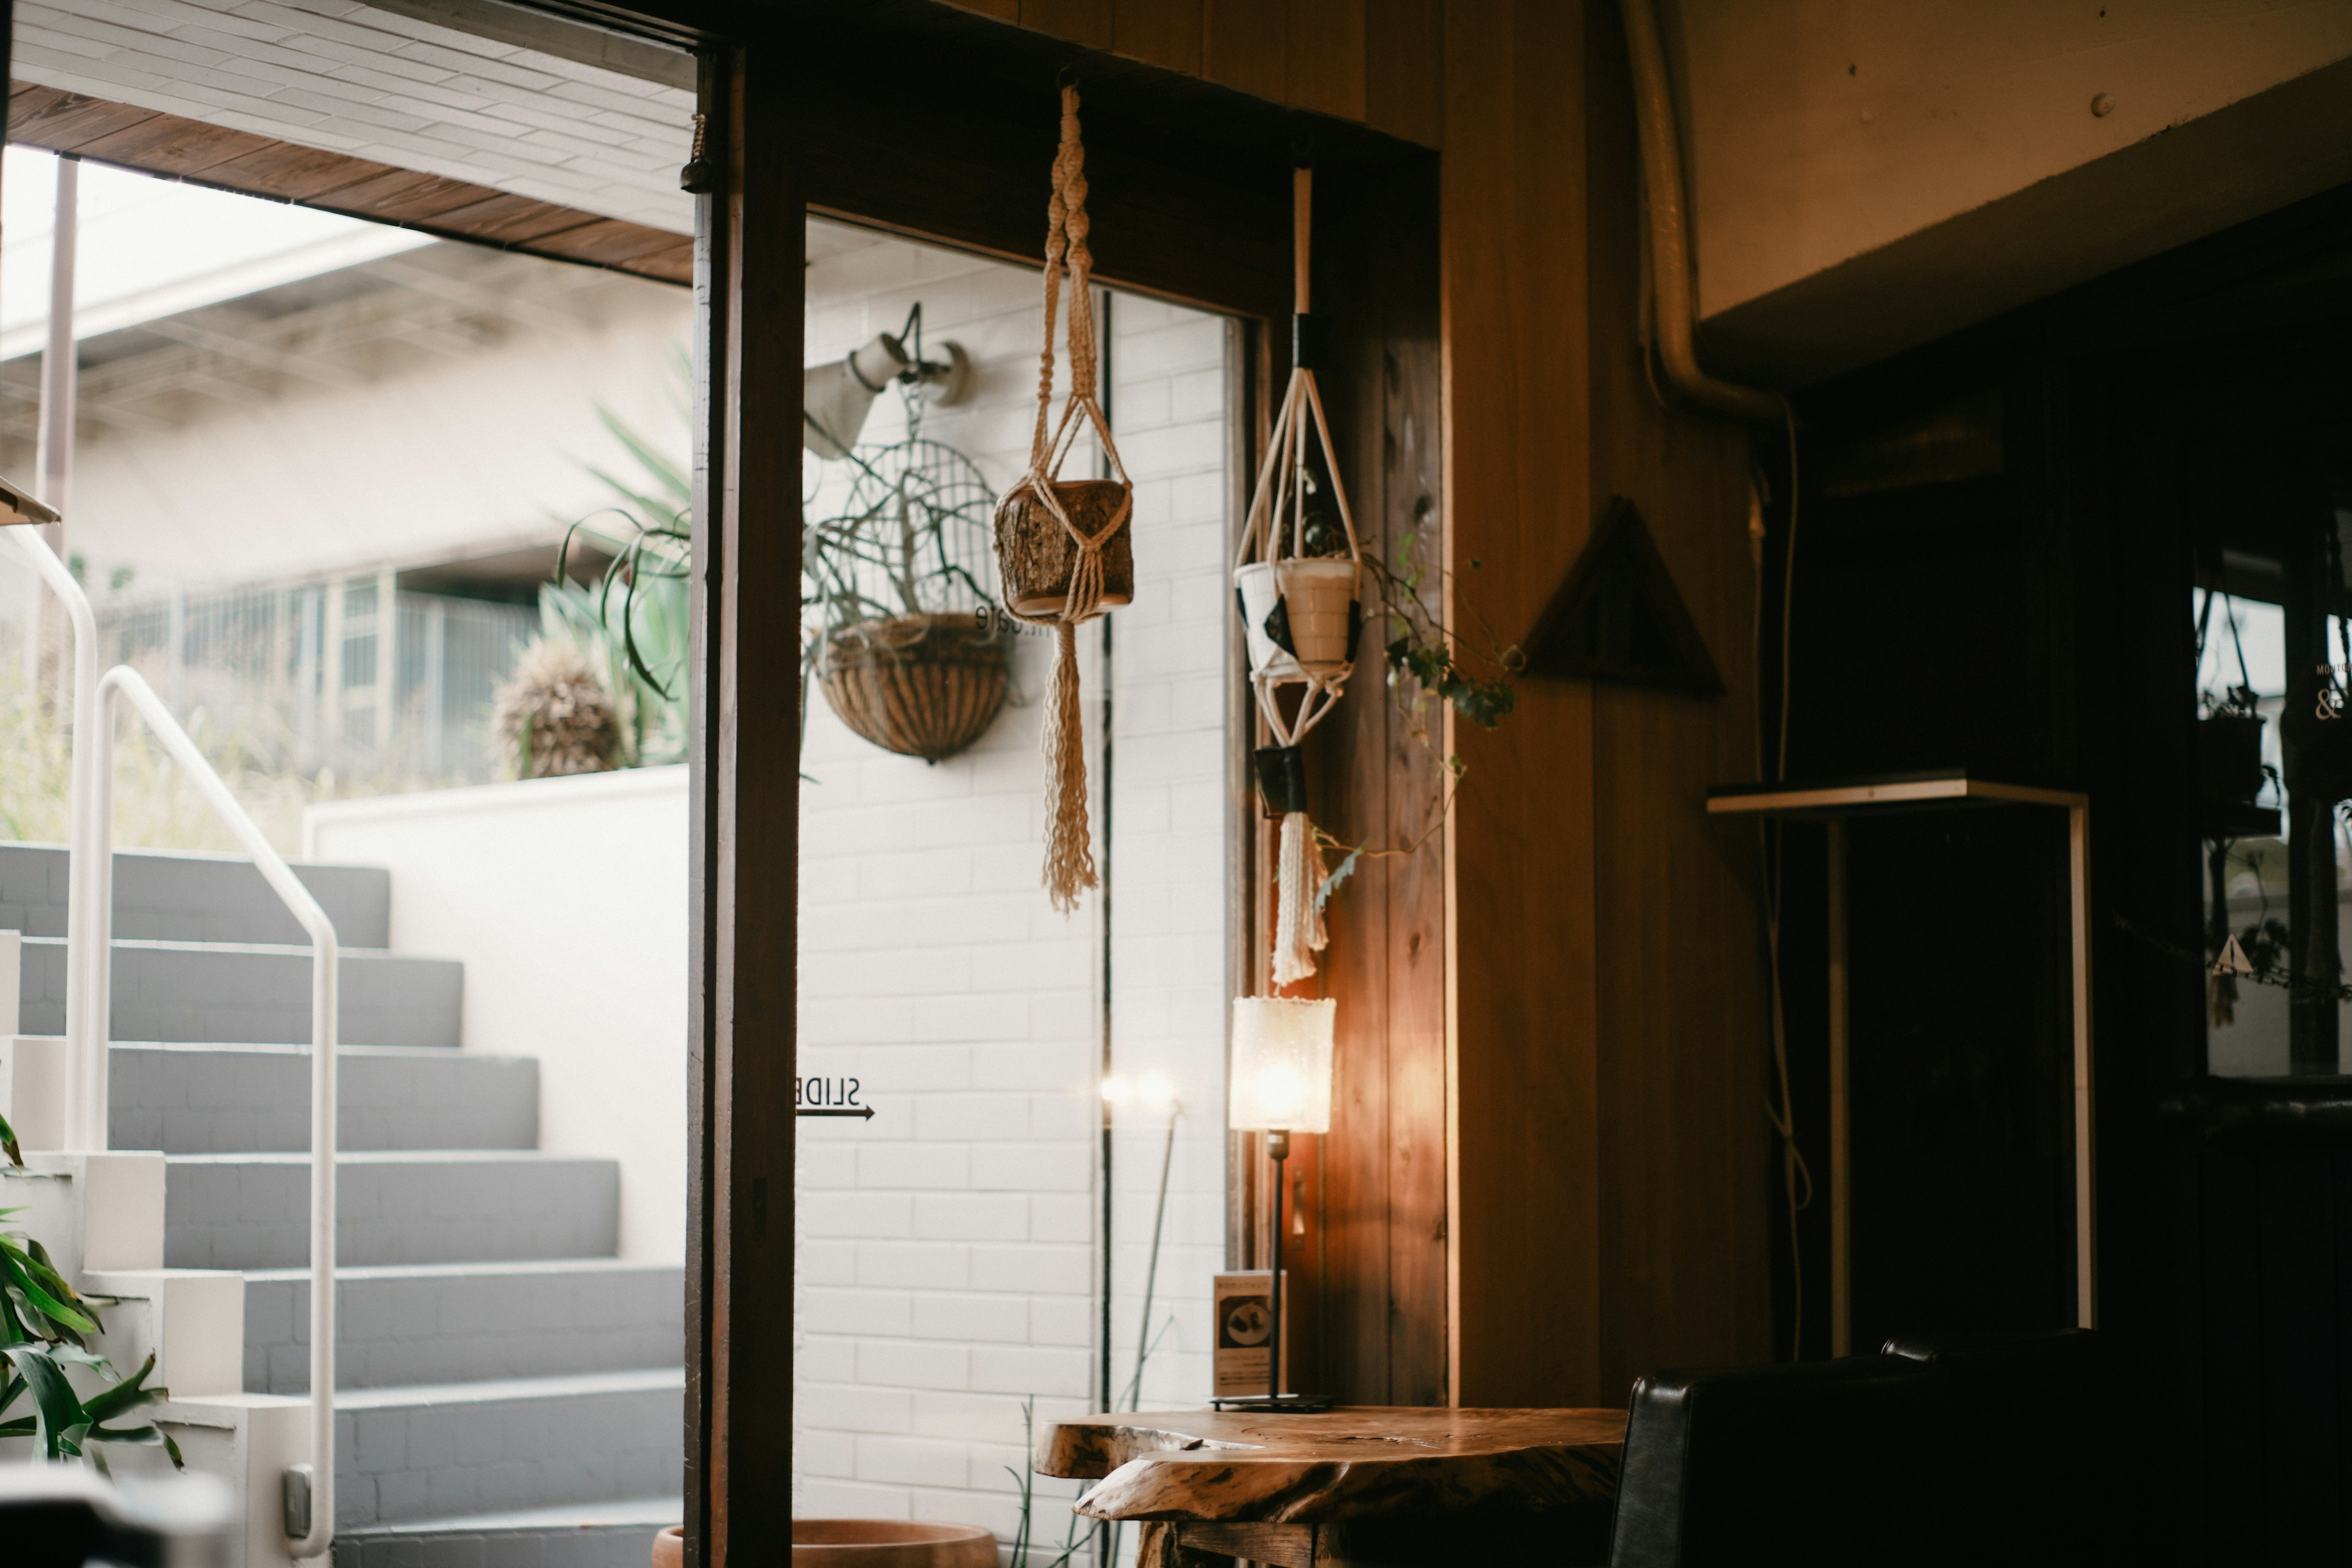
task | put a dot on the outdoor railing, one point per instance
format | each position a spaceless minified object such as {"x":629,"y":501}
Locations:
{"x":89,"y":967}
{"x":310,"y":1501}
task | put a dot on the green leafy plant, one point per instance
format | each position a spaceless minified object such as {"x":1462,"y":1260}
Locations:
{"x":636,"y":624}
{"x":44,"y":1330}
{"x":1430,"y":667}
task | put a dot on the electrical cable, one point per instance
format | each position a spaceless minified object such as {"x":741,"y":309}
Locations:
{"x":1796,"y":1175}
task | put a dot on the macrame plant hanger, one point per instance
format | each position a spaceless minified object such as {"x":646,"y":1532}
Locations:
{"x":1063,"y":549}
{"x":1300,"y":612}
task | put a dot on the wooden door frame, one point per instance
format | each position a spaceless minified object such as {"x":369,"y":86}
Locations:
{"x":1190,"y":185}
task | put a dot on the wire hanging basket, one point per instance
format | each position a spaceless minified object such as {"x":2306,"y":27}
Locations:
{"x":910,"y":644}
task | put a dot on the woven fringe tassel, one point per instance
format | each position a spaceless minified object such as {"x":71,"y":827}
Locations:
{"x":1298,"y":880}
{"x":1069,"y":841}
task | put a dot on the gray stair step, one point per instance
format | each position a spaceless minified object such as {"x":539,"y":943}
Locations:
{"x":192,"y":895}
{"x":252,"y":1211}
{"x":449,"y":1322}
{"x":204,"y":992}
{"x":585,"y":1535}
{"x":459,"y":1450}
{"x":234,"y":1099}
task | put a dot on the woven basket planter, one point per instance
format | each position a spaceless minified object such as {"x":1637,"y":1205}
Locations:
{"x":1035,"y":553}
{"x":921,"y":686}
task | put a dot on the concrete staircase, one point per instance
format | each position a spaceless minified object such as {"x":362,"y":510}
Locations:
{"x":508,"y":1388}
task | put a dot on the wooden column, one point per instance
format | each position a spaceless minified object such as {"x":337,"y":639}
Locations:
{"x":1606,"y":1102}
{"x":745,"y":819}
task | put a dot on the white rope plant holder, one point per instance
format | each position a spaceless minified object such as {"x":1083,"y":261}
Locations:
{"x":1069,"y":850}
{"x":1300,"y":612}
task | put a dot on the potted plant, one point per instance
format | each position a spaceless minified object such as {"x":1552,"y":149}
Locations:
{"x":900,"y":628}
{"x":44,"y":1330}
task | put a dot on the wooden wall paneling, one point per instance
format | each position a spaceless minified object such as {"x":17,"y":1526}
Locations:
{"x":1384,"y":1162}
{"x":1323,"y":57}
{"x":1243,"y":46}
{"x":745,"y":815}
{"x":1086,"y":22}
{"x":1404,"y":50}
{"x":1163,"y":33}
{"x":1682,"y":1082}
{"x":1525,"y":1211}
{"x":980,"y":180}
{"x":1002,"y":10}
{"x":1412,"y":457}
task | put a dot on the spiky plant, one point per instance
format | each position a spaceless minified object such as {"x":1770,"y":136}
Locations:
{"x":555,"y":715}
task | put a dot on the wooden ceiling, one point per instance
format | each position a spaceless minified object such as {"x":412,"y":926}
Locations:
{"x":178,"y":147}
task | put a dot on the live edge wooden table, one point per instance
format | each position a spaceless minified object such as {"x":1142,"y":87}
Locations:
{"x":1350,"y":1488}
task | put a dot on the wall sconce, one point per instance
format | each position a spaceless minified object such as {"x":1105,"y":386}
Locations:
{"x":1281,"y":1084}
{"x":21,"y":506}
{"x":836,"y":398}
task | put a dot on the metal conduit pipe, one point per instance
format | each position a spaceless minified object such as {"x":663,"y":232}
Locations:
{"x":1662,"y":182}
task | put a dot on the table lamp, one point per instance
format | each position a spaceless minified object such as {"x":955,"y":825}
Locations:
{"x":1281,"y":1084}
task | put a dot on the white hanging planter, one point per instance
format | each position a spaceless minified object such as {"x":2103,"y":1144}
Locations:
{"x":1314,"y":636}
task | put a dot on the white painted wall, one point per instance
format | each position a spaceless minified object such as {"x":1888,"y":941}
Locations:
{"x":567,"y":900}
{"x":441,"y":457}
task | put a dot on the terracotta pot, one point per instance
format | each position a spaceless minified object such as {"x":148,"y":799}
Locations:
{"x":1317,"y":600}
{"x":669,"y":1548}
{"x":889,"y":1544}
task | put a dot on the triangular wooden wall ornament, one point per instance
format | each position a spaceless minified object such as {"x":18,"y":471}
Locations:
{"x":1620,"y":617}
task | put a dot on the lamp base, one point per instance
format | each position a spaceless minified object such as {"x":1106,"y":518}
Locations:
{"x":1254,"y":1404}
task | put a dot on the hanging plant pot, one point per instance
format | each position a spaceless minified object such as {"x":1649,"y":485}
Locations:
{"x":1034,"y":553}
{"x":1301,"y":617}
{"x":921,"y":686}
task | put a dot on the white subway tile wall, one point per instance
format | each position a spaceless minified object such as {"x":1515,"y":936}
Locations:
{"x":949,"y":1250}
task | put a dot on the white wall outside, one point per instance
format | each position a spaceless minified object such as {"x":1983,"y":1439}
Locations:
{"x":567,"y":900}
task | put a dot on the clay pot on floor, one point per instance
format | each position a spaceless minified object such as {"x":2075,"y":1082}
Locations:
{"x":865,"y":1543}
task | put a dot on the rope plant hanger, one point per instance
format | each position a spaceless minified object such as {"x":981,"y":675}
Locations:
{"x":1063,"y":546}
{"x":1297,"y":577}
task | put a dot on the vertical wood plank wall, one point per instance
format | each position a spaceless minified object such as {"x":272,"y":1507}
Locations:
{"x":1602,"y":1075}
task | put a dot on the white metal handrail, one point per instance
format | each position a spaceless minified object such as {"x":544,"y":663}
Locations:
{"x":85,"y":1013}
{"x":126,"y":683}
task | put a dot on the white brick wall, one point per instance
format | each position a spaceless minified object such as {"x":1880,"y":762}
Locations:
{"x":948,"y":1260}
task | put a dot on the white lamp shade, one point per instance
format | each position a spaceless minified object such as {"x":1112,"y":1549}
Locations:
{"x":1282,"y":1064}
{"x":837,"y":397}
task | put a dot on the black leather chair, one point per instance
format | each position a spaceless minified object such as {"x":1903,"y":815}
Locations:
{"x":1813,"y":1465}
{"x":1940,"y":1451}
{"x":2044,"y":1449}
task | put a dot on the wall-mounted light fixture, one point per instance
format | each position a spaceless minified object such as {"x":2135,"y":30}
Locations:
{"x":21,"y":506}
{"x":837,"y":397}
{"x":1280,"y":1084}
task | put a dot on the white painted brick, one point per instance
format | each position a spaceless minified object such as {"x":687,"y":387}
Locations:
{"x":912,"y":1461}
{"x":972,"y":1217}
{"x":913,"y":1264}
{"x":1006,"y":1369}
{"x":1035,"y":1269}
{"x":973,"y":1318}
{"x":852,"y":1407}
{"x":913,"y":1364}
{"x":836,"y":1311}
